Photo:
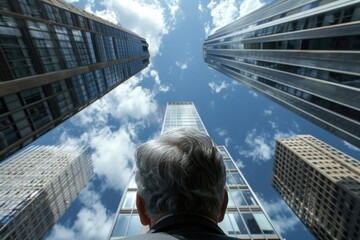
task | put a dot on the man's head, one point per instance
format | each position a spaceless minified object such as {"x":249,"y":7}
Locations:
{"x":180,"y":172}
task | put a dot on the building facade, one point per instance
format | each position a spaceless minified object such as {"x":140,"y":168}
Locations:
{"x":244,"y":217}
{"x":37,"y":186}
{"x":305,"y":55}
{"x":320,"y":184}
{"x":56,"y":59}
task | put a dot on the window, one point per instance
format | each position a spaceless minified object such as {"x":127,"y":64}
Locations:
{"x":135,"y":227}
{"x":121,"y":224}
{"x":129,"y":200}
{"x":263,"y":223}
{"x":251,"y":223}
{"x":229,"y":164}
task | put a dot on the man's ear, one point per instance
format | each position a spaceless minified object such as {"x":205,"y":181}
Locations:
{"x":140,"y":205}
{"x":223,"y":206}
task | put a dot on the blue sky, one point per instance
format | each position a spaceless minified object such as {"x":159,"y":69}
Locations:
{"x":235,"y":116}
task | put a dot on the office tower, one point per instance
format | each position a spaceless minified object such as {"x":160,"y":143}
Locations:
{"x":56,"y":59}
{"x":320,"y":184}
{"x":244,"y":217}
{"x":37,"y":186}
{"x":302,"y":54}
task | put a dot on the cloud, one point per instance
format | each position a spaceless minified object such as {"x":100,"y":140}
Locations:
{"x":181,"y":65}
{"x":221,"y":132}
{"x":350,"y":146}
{"x":217,"y":88}
{"x":253,"y":93}
{"x":240,"y":163}
{"x":268,"y":112}
{"x":92,"y":221}
{"x":161,"y":87}
{"x":261,"y":147}
{"x":200,"y":7}
{"x":227,"y":141}
{"x":282,"y":217}
{"x":273,"y":124}
{"x":72,"y":1}
{"x":227,"y":11}
{"x":150,"y":19}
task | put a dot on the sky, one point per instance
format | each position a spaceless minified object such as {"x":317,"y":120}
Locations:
{"x":235,"y":116}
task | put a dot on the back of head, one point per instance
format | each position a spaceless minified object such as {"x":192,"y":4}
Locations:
{"x":181,"y":172}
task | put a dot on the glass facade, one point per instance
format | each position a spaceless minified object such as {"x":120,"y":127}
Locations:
{"x":320,"y":184}
{"x":304,"y":55}
{"x":37,"y":186}
{"x":244,"y":219}
{"x":55,"y":60}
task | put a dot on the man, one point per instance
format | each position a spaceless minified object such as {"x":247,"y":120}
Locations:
{"x":181,"y":186}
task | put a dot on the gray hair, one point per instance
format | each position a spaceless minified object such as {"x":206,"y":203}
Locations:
{"x":181,"y":171}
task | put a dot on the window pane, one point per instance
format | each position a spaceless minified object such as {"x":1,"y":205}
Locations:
{"x":229,"y":164}
{"x":135,"y":227}
{"x":237,"y":197}
{"x":121,"y":225}
{"x":238,"y":179}
{"x":249,"y":197}
{"x":132,"y":183}
{"x":251,"y":223}
{"x":263,"y":223}
{"x":238,"y":223}
{"x":129,"y":199}
{"x":226,"y":226}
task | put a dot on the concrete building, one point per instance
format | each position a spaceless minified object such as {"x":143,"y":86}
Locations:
{"x":245,"y":217}
{"x":305,"y":55}
{"x":37,"y":186}
{"x":320,"y":184}
{"x":56,"y":59}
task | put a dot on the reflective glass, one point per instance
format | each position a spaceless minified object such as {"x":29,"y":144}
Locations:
{"x":129,"y":199}
{"x":135,"y":227}
{"x":263,"y":223}
{"x":121,"y":224}
{"x":251,"y":223}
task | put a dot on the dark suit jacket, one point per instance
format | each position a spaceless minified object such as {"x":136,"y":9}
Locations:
{"x":184,"y":226}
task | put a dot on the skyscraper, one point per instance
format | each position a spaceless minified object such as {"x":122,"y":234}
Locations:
{"x":302,"y":54}
{"x":37,"y":186}
{"x":320,"y":184}
{"x":56,"y":59}
{"x":244,"y":217}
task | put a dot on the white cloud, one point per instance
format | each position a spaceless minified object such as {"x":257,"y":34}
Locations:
{"x":181,"y":65}
{"x":268,"y":112}
{"x":72,"y":1}
{"x":221,"y":132}
{"x":227,"y":141}
{"x":253,"y":93}
{"x":200,"y":7}
{"x":259,"y":147}
{"x":92,"y":221}
{"x":227,"y":11}
{"x":283,"y":219}
{"x":273,"y":124}
{"x":350,"y":146}
{"x":240,"y":164}
{"x":150,"y":19}
{"x":161,"y":87}
{"x":217,"y":88}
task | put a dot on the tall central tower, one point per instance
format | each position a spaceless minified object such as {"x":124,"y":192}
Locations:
{"x":244,"y":217}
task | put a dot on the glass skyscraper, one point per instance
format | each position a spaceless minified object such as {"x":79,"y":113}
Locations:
{"x":305,"y":55}
{"x":37,"y":186}
{"x":320,"y":184}
{"x":245,"y":218}
{"x":56,"y":59}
